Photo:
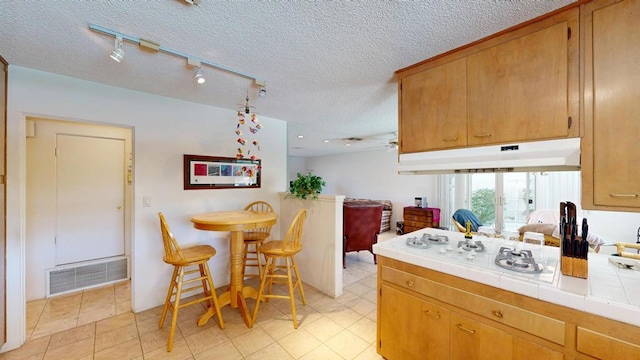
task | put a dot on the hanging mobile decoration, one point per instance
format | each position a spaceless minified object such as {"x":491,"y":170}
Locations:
{"x":244,"y":111}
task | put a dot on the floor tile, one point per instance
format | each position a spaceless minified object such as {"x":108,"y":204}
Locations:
{"x":270,"y":352}
{"x":224,"y":351}
{"x":98,"y":324}
{"x":252,"y":341}
{"x":70,"y":336}
{"x":299,"y":343}
{"x":347,"y":344}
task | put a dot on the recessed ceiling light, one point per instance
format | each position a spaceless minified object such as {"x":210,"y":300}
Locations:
{"x":347,"y":144}
{"x":326,"y":141}
{"x":300,"y":136}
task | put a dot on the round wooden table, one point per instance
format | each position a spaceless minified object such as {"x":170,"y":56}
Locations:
{"x":235,"y":222}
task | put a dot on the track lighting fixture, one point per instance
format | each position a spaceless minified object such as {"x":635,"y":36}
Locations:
{"x":199,"y":76}
{"x":118,"y":52}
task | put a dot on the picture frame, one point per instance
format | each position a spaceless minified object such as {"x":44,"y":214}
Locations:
{"x":213,"y":172}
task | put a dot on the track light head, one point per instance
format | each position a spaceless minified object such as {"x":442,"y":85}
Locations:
{"x":263,"y":91}
{"x":118,"y":52}
{"x":198,"y":75}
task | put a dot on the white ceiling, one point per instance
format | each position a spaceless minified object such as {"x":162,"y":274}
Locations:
{"x":329,"y":65}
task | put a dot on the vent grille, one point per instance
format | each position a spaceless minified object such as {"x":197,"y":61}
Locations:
{"x":85,"y":275}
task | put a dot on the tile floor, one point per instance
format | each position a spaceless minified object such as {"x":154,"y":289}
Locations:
{"x":98,"y":324}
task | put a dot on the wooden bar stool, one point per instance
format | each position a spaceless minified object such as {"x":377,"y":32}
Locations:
{"x":283,"y":249}
{"x":181,"y":259}
{"x":253,"y":240}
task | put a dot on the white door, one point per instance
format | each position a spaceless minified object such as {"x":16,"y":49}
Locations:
{"x":90,"y":198}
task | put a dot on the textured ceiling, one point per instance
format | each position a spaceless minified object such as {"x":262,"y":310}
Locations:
{"x":329,"y":65}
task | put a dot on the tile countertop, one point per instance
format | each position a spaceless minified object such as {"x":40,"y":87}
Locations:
{"x":608,"y":291}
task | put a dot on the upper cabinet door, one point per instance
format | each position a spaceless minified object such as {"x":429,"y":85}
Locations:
{"x":433,"y":105}
{"x":523,"y":88}
{"x":611,"y":147}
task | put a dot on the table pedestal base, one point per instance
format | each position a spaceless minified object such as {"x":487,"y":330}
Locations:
{"x":225,"y":299}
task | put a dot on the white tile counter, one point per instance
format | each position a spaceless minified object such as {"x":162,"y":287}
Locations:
{"x":608,"y":291}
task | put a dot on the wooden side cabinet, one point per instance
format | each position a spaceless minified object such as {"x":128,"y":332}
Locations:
{"x":416,"y":218}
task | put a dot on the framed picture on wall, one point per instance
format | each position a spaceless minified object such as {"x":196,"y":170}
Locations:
{"x":212,"y":172}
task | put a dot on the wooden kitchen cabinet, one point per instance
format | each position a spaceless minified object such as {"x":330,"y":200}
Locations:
{"x":474,"y":340}
{"x":412,"y":328}
{"x":519,"y":85}
{"x":424,"y":312}
{"x":611,"y":146}
{"x":519,"y":90}
{"x":433,"y":108}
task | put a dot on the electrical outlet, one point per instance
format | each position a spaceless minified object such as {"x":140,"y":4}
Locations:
{"x":146,"y":201}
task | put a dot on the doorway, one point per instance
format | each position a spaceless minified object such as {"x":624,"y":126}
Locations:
{"x":78,"y":208}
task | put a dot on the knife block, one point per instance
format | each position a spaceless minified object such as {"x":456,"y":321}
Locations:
{"x":572,"y":266}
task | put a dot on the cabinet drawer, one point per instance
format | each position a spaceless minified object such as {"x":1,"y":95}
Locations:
{"x":533,"y":323}
{"x":418,"y":224}
{"x":602,"y":346}
{"x":419,"y":217}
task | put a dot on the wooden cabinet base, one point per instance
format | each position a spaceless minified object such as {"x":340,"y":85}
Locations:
{"x":426,"y":314}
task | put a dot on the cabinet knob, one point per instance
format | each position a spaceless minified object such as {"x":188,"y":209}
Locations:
{"x":451,"y":139}
{"x":435,"y":315}
{"x":497,"y":313}
{"x":633,"y":196}
{"x":470,"y":331}
{"x":410,"y":283}
{"x":482,"y":135}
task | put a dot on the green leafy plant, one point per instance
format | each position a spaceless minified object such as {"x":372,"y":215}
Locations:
{"x":306,"y":186}
{"x":483,"y":205}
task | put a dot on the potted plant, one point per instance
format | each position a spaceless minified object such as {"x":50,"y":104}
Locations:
{"x":306,"y":186}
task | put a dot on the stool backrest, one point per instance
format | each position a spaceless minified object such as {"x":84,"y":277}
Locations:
{"x":293,"y":241}
{"x":172,"y":251}
{"x":259,"y":206}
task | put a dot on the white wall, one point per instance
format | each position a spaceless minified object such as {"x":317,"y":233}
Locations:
{"x":164,"y":129}
{"x":373,"y":175}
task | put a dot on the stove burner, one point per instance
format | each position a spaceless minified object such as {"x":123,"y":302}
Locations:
{"x":521,"y":261}
{"x":437,"y":239}
{"x":469,"y":245}
{"x":418,"y":243}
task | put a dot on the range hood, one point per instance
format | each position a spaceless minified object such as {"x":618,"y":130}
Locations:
{"x":548,"y":155}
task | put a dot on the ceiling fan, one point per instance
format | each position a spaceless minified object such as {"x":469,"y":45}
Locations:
{"x":371,"y":142}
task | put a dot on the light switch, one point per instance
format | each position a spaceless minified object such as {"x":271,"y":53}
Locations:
{"x":146,"y":201}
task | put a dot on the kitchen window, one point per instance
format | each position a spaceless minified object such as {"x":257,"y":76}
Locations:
{"x":504,"y":200}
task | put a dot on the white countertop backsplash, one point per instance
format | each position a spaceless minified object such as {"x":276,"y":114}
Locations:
{"x":608,"y":291}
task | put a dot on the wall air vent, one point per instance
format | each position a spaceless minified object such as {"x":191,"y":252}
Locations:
{"x":84,"y":275}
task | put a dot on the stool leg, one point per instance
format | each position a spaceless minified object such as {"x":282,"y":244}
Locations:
{"x":298,"y":281}
{"x":167,"y":301}
{"x":258,"y":256}
{"x":292,"y":299}
{"x":205,"y":287}
{"x":176,"y":308}
{"x":263,"y":282}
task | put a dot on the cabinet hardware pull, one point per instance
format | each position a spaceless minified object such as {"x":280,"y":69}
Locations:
{"x":497,"y":313}
{"x":436,"y":315}
{"x":470,"y":331}
{"x":624,"y":195}
{"x":409,"y":283}
{"x":451,"y":139}
{"x":482,"y":135}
